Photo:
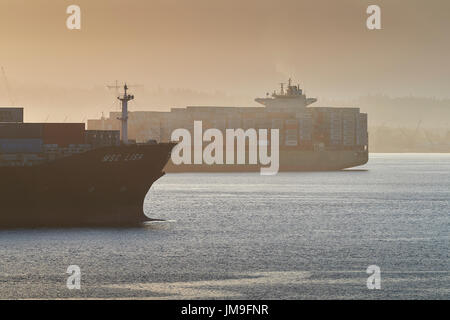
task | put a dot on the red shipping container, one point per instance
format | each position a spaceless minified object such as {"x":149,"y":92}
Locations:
{"x":63,"y":134}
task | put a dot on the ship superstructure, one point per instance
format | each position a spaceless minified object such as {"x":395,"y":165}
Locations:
{"x":292,"y":96}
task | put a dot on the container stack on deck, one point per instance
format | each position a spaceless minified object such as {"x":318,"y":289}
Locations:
{"x":308,"y":129}
{"x":34,"y":142}
{"x":102,"y":138}
{"x":11,"y":115}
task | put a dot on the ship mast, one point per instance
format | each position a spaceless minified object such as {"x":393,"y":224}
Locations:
{"x":124,"y":119}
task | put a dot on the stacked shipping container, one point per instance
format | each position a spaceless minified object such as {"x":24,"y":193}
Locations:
{"x":101,"y":138}
{"x":20,"y":145}
{"x":32,"y":137}
{"x":63,"y":134}
{"x":331,"y":128}
{"x":305,"y":121}
{"x":362,"y":137}
{"x":291,"y":132}
{"x":11,"y":115}
{"x":335,"y":122}
{"x":348,"y":128}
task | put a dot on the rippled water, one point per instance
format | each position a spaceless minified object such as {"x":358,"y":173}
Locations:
{"x":290,"y":236}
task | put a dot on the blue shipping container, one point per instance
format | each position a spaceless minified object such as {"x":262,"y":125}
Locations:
{"x":20,"y":145}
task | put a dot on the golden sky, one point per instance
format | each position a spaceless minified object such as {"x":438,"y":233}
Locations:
{"x":239,"y":47}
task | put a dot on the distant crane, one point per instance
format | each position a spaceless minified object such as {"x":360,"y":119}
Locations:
{"x":417,"y":128}
{"x":411,"y":139}
{"x":430,"y":140}
{"x":374,"y":132}
{"x":8,"y":89}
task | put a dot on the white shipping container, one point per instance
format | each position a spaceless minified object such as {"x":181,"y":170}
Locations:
{"x":249,"y":123}
{"x":305,"y":129}
{"x":234,"y":123}
{"x":263,"y":124}
{"x":291,"y":143}
{"x":291,"y":137}
{"x":277,"y":123}
{"x":219,"y":124}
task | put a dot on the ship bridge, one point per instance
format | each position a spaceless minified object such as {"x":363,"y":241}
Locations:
{"x":291,"y":97}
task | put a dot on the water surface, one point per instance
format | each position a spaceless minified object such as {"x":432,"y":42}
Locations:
{"x":244,"y":236}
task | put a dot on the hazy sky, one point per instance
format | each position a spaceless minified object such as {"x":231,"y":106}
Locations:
{"x":239,"y":47}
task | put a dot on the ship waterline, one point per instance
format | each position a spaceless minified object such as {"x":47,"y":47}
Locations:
{"x":290,"y":160}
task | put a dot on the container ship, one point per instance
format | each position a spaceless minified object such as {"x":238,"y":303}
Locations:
{"x":61,"y":175}
{"x":310,"y":138}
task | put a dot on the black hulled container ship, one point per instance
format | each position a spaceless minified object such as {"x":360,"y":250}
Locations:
{"x":61,"y":175}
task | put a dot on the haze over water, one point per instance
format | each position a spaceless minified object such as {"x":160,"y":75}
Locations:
{"x":291,"y":236}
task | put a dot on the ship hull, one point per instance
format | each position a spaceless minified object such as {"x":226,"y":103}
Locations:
{"x":101,"y":187}
{"x":290,"y":160}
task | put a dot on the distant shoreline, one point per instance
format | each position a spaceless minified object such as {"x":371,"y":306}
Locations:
{"x":412,"y":153}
